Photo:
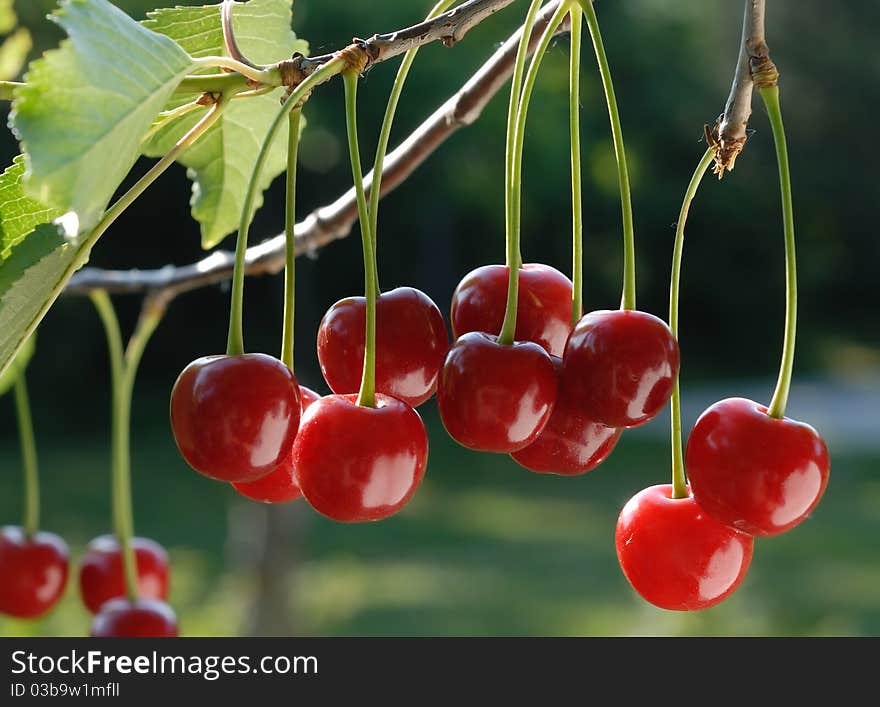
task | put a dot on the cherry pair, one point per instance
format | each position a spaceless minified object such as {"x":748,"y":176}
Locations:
{"x":33,"y":575}
{"x":750,"y":475}
{"x":102,"y":589}
{"x":616,"y":370}
{"x":33,"y":571}
{"x":352,"y":463}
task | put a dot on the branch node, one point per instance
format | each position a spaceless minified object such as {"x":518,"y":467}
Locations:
{"x":726,"y":149}
{"x":292,"y":75}
{"x":357,"y":56}
{"x":763,"y":70}
{"x":209,"y":99}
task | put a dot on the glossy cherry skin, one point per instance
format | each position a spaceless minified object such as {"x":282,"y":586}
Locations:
{"x":144,"y":618}
{"x":619,"y":366}
{"x":571,"y":443}
{"x":33,"y":572}
{"x":235,"y":417}
{"x":753,"y":472}
{"x":356,"y":463}
{"x":675,"y":555}
{"x":411,"y":341}
{"x":543,"y":304}
{"x":279,"y":486}
{"x":101,"y":574}
{"x":496,"y":398}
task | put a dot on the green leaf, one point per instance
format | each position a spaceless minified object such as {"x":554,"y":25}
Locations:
{"x":220,"y":164}
{"x":36,"y":258}
{"x":86,"y":106}
{"x":18,"y":365}
{"x":19,"y":214}
{"x":31,"y":279}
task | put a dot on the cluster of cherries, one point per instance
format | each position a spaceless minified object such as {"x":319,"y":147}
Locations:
{"x":554,"y":399}
{"x":35,"y":569}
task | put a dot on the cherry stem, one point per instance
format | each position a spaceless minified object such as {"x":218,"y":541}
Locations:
{"x":679,"y":482}
{"x":628,"y":300}
{"x":235,"y":342}
{"x":229,"y":34}
{"x":29,"y":457}
{"x":577,"y":212}
{"x":367,"y":395}
{"x":290,"y":238}
{"x":770,"y":96}
{"x":271,"y":75}
{"x":123,"y":369}
{"x":513,"y":256}
{"x":513,"y":164}
{"x":385,"y":131}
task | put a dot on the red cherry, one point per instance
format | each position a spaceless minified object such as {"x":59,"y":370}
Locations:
{"x":754,"y":472}
{"x":356,"y":463}
{"x":619,"y":366}
{"x":279,"y":486}
{"x":101,"y":574}
{"x":143,"y":618}
{"x":571,"y":443}
{"x":33,"y":572}
{"x":543,"y":305}
{"x":495,"y":398}
{"x":411,"y":342}
{"x":235,"y":417}
{"x":675,"y":555}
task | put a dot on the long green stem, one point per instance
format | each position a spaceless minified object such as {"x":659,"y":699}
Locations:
{"x":123,"y":368}
{"x":271,"y":75}
{"x":235,"y":342}
{"x":123,"y":523}
{"x":515,"y":145}
{"x":679,"y":482}
{"x":387,"y":122}
{"x":139,"y":187}
{"x":513,"y":257}
{"x":29,"y":457}
{"x":290,"y":238}
{"x":628,"y":300}
{"x":367,"y":395}
{"x":577,"y":209}
{"x":770,"y":96}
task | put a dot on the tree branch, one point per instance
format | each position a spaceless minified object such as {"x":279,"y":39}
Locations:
{"x":730,"y":133}
{"x":449,"y":28}
{"x":335,"y":220}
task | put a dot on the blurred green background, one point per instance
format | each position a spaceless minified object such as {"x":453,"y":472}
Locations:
{"x":486,"y":548}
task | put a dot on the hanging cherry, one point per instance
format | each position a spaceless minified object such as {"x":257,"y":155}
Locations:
{"x":141,"y":618}
{"x":543,"y":304}
{"x":102,"y":575}
{"x":496,"y":393}
{"x":279,"y":486}
{"x":619,"y":365}
{"x":675,"y":555}
{"x":411,"y":342}
{"x":123,"y":578}
{"x":360,"y":457}
{"x":33,"y":563}
{"x":33,"y":571}
{"x":750,"y":466}
{"x":673,"y":552}
{"x":571,"y":443}
{"x":234,"y":416}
